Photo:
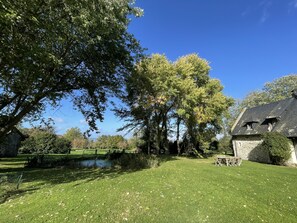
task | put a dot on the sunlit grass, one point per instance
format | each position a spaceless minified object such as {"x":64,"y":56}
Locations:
{"x":180,"y":190}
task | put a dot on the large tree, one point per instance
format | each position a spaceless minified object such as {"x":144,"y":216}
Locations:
{"x":276,"y":90}
{"x":201,"y":103}
{"x":55,"y":49}
{"x":160,"y":92}
{"x":151,"y":93}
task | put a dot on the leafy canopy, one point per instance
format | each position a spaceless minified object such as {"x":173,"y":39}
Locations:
{"x":276,"y":90}
{"x":56,"y":49}
{"x":160,"y":91}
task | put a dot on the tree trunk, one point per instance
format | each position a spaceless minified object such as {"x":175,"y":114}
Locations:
{"x":165,"y":135}
{"x":158,"y":139}
{"x":8,"y":125}
{"x":148,"y":137}
{"x":177,"y":135}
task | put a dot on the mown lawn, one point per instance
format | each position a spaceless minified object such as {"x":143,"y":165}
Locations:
{"x":180,"y":190}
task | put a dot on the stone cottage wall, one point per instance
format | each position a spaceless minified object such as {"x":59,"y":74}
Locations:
{"x":247,"y":147}
{"x":293,"y":146}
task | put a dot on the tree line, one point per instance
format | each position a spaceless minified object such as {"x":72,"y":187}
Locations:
{"x":44,"y":140}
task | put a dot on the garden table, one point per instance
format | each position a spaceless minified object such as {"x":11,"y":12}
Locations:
{"x":228,"y":161}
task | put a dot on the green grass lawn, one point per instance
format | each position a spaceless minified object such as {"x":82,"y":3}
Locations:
{"x":180,"y":190}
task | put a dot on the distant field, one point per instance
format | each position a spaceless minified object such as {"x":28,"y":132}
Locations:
{"x":180,"y":190}
{"x":87,"y":151}
{"x":93,"y":151}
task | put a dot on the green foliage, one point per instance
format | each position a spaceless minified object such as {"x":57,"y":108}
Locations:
{"x":278,"y":146}
{"x":61,"y":145}
{"x":77,"y":139}
{"x":43,"y":141}
{"x":73,"y":133}
{"x":276,"y":90}
{"x":136,"y":161}
{"x":39,"y":141}
{"x":225,"y":145}
{"x":111,"y":142}
{"x":134,"y":143}
{"x":56,"y":49}
{"x":160,"y":93}
{"x":42,"y":161}
{"x":80,"y":143}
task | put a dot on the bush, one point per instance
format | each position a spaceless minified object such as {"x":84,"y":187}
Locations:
{"x":44,"y":142}
{"x":225,"y":145}
{"x":61,"y":145}
{"x":278,"y":147}
{"x":42,"y":161}
{"x":136,"y":161}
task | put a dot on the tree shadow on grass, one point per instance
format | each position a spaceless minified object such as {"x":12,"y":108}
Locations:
{"x":15,"y":193}
{"x":38,"y":178}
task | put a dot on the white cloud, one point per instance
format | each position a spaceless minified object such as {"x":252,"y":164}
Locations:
{"x":265,"y":5}
{"x":57,"y":119}
{"x":294,"y":4}
{"x":245,"y":12}
{"x":265,"y":16}
{"x":83,"y":122}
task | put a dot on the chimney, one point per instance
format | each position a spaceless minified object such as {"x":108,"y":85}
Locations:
{"x":294,"y":93}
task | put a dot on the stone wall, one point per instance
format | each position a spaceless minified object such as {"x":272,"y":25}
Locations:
{"x":293,"y":159}
{"x":247,"y":147}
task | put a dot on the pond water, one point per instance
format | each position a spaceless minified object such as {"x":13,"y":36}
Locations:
{"x":96,"y":163}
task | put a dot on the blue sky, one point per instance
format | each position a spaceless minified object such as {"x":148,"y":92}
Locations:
{"x":247,"y":42}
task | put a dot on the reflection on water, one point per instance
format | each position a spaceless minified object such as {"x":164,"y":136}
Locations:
{"x":95,"y":163}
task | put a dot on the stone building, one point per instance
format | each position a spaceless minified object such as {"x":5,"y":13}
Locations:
{"x":9,"y":146}
{"x":280,"y":116}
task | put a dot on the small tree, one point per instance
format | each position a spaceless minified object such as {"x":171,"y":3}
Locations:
{"x":225,"y":145}
{"x":61,"y":145}
{"x":80,"y":143}
{"x":73,"y":133}
{"x":111,"y":142}
{"x":44,"y":141}
{"x":278,"y":147}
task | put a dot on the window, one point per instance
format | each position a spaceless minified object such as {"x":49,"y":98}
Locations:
{"x":270,"y":126}
{"x":270,"y":122}
{"x":249,"y":126}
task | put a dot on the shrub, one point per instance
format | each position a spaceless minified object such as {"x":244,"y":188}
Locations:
{"x":136,"y":161}
{"x":278,"y":147}
{"x":225,"y":145}
{"x":42,"y":161}
{"x":42,"y":141}
{"x":61,"y":145}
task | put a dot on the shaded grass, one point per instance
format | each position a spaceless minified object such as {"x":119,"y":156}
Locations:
{"x":180,"y":190}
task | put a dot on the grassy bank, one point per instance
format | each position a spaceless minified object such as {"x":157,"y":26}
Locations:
{"x":180,"y":190}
